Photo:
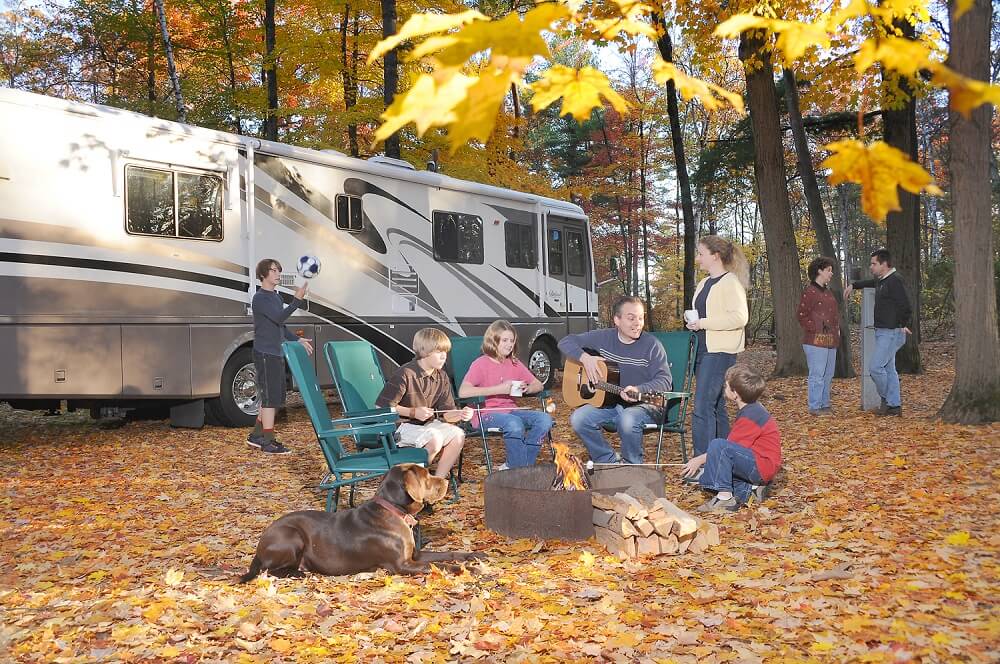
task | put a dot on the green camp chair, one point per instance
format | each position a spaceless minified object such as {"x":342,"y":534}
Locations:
{"x":464,"y":351}
{"x":680,"y":348}
{"x":357,"y":375}
{"x":346,"y":469}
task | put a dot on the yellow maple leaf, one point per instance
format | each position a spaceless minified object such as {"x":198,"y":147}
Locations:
{"x":961,"y":6}
{"x":711,"y":96}
{"x":795,"y":37}
{"x":941,"y":639}
{"x":174,"y":577}
{"x":905,"y":56}
{"x":419,"y":25}
{"x":959,"y":538}
{"x":587,"y":559}
{"x":964,"y":94}
{"x":737,"y":24}
{"x":510,"y":36}
{"x":608,"y":28}
{"x":427,"y":103}
{"x":898,"y":462}
{"x":879,"y":168}
{"x":581,"y":91}
{"x":170,"y":651}
{"x":280,"y":645}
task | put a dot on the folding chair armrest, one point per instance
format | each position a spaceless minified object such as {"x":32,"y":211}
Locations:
{"x":375,"y":416}
{"x":360,"y":429}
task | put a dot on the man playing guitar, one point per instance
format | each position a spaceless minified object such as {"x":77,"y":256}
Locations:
{"x":643,"y":366}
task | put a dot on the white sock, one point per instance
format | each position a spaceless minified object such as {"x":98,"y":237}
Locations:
{"x":724,"y":495}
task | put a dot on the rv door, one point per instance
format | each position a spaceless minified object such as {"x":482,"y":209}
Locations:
{"x":568,"y":262}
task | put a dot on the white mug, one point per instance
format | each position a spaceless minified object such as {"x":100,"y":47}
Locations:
{"x":691,"y":315}
{"x":517,"y":388}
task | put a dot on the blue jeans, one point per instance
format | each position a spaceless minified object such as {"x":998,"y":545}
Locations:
{"x":730,"y":467}
{"x":523,"y":433}
{"x":630,"y":422}
{"x":821,"y":363}
{"x":709,"y":419}
{"x":882,"y":367}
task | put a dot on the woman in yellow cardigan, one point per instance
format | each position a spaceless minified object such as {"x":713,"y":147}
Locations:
{"x":721,"y":301}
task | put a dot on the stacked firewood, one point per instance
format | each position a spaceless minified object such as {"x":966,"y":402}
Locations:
{"x":636,"y":523}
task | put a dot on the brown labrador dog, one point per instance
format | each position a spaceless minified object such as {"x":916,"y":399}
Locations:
{"x":375,"y":534}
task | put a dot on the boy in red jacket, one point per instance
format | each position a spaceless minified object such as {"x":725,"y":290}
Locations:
{"x":751,"y":456}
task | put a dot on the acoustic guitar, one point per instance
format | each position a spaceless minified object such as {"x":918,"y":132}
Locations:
{"x":605,"y":393}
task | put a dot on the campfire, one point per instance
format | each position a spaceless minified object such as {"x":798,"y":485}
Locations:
{"x":569,"y":470}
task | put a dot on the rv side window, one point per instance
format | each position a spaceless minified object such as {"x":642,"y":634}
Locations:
{"x":458,"y":238}
{"x":199,"y":206}
{"x":173,"y":203}
{"x":576,"y":254}
{"x":149,"y":201}
{"x":555,"y":251}
{"x":349,"y":214}
{"x":519,"y":240}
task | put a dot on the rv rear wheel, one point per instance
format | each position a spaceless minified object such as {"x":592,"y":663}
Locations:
{"x":238,"y":401}
{"x":542,"y":362}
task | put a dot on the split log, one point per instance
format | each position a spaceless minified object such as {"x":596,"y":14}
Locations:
{"x":602,"y":518}
{"x":644,"y":527}
{"x":610,"y":503}
{"x":634,"y":510}
{"x":619,"y":525}
{"x":669,"y":544}
{"x":647,"y":546}
{"x":623,"y":547}
{"x":662,"y":524}
{"x":685,"y":522}
{"x":643,"y":494}
{"x":699,"y":543}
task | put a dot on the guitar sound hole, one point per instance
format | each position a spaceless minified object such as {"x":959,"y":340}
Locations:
{"x":585,"y":390}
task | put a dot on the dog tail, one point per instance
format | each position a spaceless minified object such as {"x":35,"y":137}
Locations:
{"x":254,"y":570}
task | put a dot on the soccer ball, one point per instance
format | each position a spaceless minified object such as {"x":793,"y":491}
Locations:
{"x":309,"y":266}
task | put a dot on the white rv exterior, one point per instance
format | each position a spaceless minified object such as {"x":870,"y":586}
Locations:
{"x":127,"y":253}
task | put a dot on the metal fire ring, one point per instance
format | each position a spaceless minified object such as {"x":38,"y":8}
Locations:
{"x":521,"y":503}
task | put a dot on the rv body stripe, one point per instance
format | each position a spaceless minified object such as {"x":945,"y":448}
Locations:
{"x":133,"y":268}
{"x":38,"y":231}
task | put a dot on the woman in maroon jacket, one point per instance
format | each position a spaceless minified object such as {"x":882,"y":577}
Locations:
{"x":819,"y":317}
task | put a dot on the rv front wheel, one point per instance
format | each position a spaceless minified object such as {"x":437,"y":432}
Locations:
{"x":238,"y":402}
{"x":542,"y":362}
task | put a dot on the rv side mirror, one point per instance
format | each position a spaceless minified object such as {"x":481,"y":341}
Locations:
{"x":613,"y":266}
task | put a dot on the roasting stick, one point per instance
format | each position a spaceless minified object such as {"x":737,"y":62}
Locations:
{"x":549,"y":408}
{"x":604,"y":466}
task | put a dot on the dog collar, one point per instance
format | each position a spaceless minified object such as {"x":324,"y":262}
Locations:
{"x":407,"y":518}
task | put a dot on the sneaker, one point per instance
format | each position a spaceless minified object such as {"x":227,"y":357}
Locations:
{"x":274,"y":447}
{"x":891,"y":411}
{"x":255,"y":441}
{"x":826,"y":410}
{"x":718,"y":506}
{"x":817,"y":412}
{"x":502,"y":466}
{"x":760,"y":492}
{"x":696,"y":478}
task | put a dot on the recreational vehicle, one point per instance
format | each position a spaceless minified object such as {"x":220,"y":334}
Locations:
{"x":128,"y":245}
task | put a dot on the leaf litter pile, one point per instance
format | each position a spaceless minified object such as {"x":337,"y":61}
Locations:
{"x":880,"y":544}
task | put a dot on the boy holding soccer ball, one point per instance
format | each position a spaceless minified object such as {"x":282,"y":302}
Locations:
{"x":269,"y":316}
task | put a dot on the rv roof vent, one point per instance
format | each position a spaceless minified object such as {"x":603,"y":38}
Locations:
{"x":389,"y":161}
{"x":332,"y":151}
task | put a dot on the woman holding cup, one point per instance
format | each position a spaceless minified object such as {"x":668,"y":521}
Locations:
{"x":719,"y":315}
{"x":498,"y":375}
{"x":819,"y":317}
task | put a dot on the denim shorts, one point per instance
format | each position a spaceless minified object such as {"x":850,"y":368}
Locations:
{"x":270,"y":379}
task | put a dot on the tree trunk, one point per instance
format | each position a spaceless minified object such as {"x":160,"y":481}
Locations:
{"x":975,"y":394}
{"x":150,"y":70}
{"x":350,"y":85}
{"x":899,"y":128}
{"x":666,"y":49}
{"x":231,"y":68}
{"x":818,"y":217}
{"x":776,"y":214}
{"x":171,"y":67}
{"x":643,"y":219}
{"x":270,"y":73}
{"x":390,"y":65}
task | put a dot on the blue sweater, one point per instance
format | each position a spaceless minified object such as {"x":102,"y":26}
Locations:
{"x":642,"y":363}
{"x":269,"y":316}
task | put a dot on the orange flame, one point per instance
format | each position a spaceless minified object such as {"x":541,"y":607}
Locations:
{"x":572,"y":477}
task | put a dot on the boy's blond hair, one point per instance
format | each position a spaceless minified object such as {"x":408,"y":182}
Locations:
{"x":746,"y":382}
{"x":430,"y":340}
{"x":491,"y":340}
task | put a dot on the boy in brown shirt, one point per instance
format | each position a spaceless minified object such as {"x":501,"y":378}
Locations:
{"x":419,"y":388}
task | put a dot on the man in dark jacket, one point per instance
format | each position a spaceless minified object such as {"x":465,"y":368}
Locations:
{"x":892,"y":316}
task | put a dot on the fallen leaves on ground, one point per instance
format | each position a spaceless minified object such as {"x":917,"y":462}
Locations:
{"x":880,"y":545}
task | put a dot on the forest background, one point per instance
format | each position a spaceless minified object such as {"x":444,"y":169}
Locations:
{"x":653,"y":169}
